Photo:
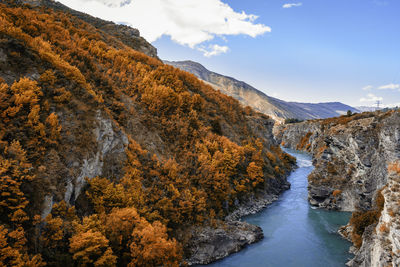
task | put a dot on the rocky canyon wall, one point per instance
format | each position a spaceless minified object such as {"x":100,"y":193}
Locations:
{"x":351,"y":156}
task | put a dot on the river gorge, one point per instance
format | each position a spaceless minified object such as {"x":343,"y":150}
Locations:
{"x":295,"y":234}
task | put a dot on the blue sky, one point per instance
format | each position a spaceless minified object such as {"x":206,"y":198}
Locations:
{"x":312,"y":51}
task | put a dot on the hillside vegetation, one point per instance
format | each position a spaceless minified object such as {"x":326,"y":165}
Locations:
{"x":108,"y":156}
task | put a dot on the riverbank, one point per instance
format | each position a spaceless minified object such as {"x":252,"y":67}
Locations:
{"x":210,"y":244}
{"x":295,"y":234}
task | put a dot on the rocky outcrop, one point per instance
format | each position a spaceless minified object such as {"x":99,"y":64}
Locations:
{"x":381,"y":242}
{"x":111,"y":148}
{"x":210,"y":244}
{"x":351,"y":155}
{"x":277,"y":109}
{"x":298,"y":135}
{"x":254,"y":205}
{"x":106,"y":159}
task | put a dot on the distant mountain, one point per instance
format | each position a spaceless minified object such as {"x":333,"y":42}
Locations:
{"x":250,"y":96}
{"x":366,"y":108}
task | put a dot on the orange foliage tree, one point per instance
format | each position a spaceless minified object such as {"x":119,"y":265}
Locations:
{"x":150,"y":246}
{"x":91,"y":249}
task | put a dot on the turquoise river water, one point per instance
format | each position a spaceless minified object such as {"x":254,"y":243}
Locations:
{"x":294,"y":233}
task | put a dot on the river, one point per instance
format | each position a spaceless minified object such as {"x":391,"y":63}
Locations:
{"x":294,"y":233}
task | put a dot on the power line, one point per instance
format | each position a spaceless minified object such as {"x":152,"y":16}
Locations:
{"x":378,"y":103}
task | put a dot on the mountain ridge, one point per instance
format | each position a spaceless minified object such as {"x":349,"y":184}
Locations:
{"x":248,"y":95}
{"x":128,"y":35}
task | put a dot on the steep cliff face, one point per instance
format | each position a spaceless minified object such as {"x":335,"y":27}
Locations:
{"x":351,"y":156}
{"x":381,"y":241}
{"x":278,"y":109}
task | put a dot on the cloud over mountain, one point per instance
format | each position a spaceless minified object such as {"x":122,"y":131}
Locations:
{"x":187,"y":22}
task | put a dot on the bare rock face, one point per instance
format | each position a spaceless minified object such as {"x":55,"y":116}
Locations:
{"x":351,"y":156}
{"x":291,"y":135}
{"x":255,"y":204}
{"x":381,"y":242}
{"x":111,"y":146}
{"x":106,"y":158}
{"x":131,"y":37}
{"x":210,"y":244}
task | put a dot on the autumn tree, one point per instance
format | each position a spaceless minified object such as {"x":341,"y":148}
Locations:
{"x":106,"y":195}
{"x":26,"y":91}
{"x":150,"y":246}
{"x":15,"y":170}
{"x":58,"y":228}
{"x":13,"y":251}
{"x":91,"y":249}
{"x":119,"y":225}
{"x":54,"y":127}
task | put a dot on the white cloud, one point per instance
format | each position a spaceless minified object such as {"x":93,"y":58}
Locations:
{"x":371,"y":98}
{"x":111,"y":3}
{"x":187,"y":22}
{"x":392,"y":105}
{"x":213,"y":50}
{"x":368,"y":87}
{"x":289,"y":5}
{"x":390,"y":86}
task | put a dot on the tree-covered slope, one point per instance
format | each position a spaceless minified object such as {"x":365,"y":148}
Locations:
{"x":108,"y":156}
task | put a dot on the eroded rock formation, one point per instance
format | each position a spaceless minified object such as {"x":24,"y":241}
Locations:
{"x":351,"y":155}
